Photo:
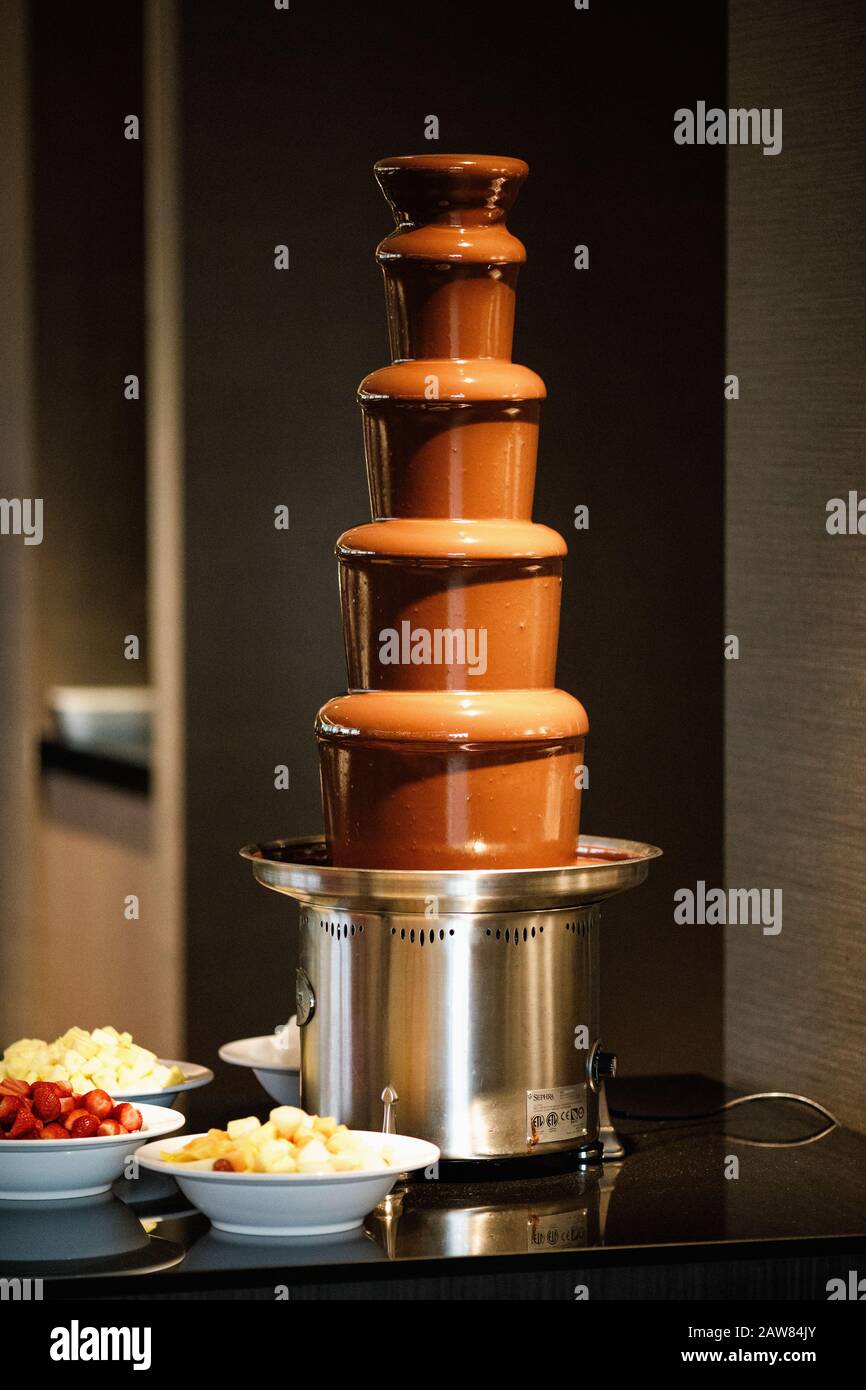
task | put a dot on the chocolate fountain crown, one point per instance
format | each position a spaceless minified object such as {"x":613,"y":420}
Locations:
{"x":451,"y":266}
{"x":452,"y":749}
{"x":461,"y":190}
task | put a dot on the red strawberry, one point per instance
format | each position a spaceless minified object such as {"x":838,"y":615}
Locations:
{"x":68,"y":1103}
{"x":72,"y":1115}
{"x":63,"y":1087}
{"x":128,"y":1116}
{"x":85,"y":1126}
{"x":46,"y":1100}
{"x":23,"y":1122}
{"x":111,"y":1127}
{"x":99,"y":1103}
{"x":53,"y":1131}
{"x":14,"y":1088}
{"x":8,"y":1110}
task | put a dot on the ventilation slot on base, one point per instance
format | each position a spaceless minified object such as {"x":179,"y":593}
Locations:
{"x":424,"y":936}
{"x":513,"y":935}
{"x":341,"y":930}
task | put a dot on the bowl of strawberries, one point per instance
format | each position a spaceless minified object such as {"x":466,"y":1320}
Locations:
{"x":55,"y":1143}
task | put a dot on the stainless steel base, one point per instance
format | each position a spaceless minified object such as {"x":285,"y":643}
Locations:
{"x":482,"y":1024}
{"x":473,"y":995}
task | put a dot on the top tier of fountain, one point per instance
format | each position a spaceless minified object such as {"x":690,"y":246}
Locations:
{"x":450,"y":271}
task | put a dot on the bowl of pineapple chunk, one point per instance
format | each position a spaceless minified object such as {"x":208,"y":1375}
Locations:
{"x":294,"y":1175}
{"x":106,"y":1059}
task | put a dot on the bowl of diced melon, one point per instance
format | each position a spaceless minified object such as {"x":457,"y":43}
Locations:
{"x":294,"y":1175}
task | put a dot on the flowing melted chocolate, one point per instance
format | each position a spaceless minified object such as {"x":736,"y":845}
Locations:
{"x":452,"y":749}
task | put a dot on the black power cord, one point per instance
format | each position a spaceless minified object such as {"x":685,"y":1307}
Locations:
{"x":687,"y":1120}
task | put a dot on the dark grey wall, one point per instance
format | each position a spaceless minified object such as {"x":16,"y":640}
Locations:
{"x":283,"y":116}
{"x":796,"y":758}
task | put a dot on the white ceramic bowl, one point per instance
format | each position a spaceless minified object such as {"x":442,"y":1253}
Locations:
{"x":275,"y":1062}
{"x":193,"y":1077}
{"x":43,"y":1170}
{"x":290,"y":1204}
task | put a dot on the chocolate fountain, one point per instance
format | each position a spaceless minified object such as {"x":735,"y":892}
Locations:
{"x":449,"y":916}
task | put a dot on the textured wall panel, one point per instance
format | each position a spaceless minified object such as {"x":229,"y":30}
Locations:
{"x":796,"y":700}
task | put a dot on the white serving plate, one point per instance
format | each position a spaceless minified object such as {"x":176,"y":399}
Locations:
{"x":277,"y":1067}
{"x":290,"y":1204}
{"x":194,"y":1076}
{"x":46,"y":1170}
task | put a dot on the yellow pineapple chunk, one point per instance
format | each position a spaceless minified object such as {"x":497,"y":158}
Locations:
{"x":287,"y":1119}
{"x":237,"y":1129}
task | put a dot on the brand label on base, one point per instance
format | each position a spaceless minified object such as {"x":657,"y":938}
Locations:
{"x":556,"y":1115}
{"x":561,"y":1230}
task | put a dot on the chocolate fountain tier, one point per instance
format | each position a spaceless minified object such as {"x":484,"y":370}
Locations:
{"x":451,"y":458}
{"x":450,"y":605}
{"x":451,"y":438}
{"x":451,"y":266}
{"x":450,"y":779}
{"x":455,"y":380}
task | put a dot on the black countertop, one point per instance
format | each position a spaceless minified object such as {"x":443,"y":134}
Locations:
{"x":752,"y":1206}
